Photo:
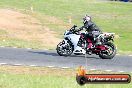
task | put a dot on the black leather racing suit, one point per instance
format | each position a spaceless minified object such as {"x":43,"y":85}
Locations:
{"x":92,"y":29}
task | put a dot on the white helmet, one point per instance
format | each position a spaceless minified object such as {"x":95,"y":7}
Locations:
{"x":86,"y":19}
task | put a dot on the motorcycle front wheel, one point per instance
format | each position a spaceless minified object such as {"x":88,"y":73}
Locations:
{"x":109,"y":53}
{"x":64,"y":49}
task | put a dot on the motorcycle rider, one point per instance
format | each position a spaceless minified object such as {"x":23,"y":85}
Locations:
{"x":92,"y":31}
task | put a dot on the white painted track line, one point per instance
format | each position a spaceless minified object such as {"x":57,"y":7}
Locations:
{"x":108,"y":70}
{"x":17,"y":64}
{"x":33,"y":65}
{"x":92,"y":69}
{"x":130,"y":55}
{"x":50,"y":66}
{"x":3,"y":63}
{"x":121,"y":71}
{"x":65,"y":67}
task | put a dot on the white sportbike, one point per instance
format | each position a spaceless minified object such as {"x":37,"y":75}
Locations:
{"x":106,"y":50}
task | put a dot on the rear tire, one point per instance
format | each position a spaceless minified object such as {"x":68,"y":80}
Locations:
{"x":108,"y":55}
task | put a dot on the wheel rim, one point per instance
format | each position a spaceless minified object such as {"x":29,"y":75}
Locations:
{"x":64,"y":49}
{"x":109,"y":51}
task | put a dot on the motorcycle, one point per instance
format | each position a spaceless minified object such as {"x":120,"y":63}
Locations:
{"x":105,"y":50}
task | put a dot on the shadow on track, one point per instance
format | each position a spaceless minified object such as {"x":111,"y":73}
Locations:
{"x":55,"y":54}
{"x":84,"y":56}
{"x":44,"y":53}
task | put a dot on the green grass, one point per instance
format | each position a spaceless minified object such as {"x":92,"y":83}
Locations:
{"x":109,"y":16}
{"x":33,"y":81}
{"x":41,"y":77}
{"x":3,"y":32}
{"x":11,"y":42}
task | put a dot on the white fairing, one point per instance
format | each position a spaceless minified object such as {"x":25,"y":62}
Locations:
{"x":74,"y":38}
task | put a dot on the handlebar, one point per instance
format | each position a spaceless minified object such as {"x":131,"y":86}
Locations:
{"x":73,"y":28}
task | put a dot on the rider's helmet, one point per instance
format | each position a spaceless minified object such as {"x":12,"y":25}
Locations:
{"x":86,"y":19}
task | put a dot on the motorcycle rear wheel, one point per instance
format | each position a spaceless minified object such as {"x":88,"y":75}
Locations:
{"x":110,"y":53}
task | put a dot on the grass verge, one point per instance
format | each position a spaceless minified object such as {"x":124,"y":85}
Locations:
{"x":42,"y":77}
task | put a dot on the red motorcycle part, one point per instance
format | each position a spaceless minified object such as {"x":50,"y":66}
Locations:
{"x":101,"y":47}
{"x":89,"y":43}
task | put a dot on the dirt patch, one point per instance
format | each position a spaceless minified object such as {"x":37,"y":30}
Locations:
{"x":37,"y":70}
{"x":53,"y":20}
{"x":23,"y":26}
{"x":46,"y":71}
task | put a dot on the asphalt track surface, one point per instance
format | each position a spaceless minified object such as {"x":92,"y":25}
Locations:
{"x":29,"y":57}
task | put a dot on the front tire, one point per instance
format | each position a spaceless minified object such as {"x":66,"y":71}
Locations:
{"x":64,"y":48}
{"x":110,"y":53}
